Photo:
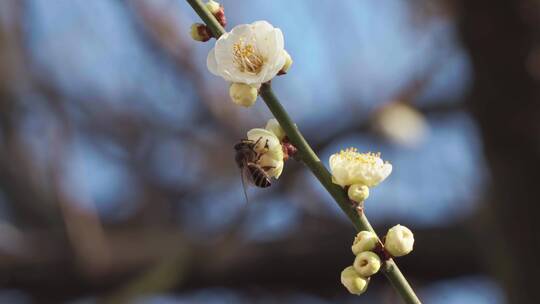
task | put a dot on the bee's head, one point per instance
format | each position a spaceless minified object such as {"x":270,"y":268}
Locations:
{"x":244,"y":144}
{"x":239,"y":146}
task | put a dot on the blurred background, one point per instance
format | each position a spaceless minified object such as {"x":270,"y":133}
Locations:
{"x":117,"y":178}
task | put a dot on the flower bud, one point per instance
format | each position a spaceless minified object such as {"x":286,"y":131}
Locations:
{"x":199,"y":32}
{"x":358,"y":192}
{"x":354,"y":283}
{"x":399,"y":241}
{"x":213,"y":6}
{"x":217,"y":10}
{"x":273,"y":126}
{"x":243,"y":94}
{"x":367,"y":264}
{"x":287,"y":65}
{"x":364,"y":241}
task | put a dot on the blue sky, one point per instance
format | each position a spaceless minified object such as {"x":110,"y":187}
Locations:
{"x":350,"y":58}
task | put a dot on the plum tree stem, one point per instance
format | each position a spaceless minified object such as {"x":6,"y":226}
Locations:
{"x":308,"y":156}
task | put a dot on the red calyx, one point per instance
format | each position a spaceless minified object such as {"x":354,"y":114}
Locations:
{"x":220,"y":16}
{"x":289,"y":150}
{"x":204,"y":32}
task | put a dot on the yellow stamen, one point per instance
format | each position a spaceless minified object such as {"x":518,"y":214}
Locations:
{"x":352,"y":154}
{"x":247,"y":58}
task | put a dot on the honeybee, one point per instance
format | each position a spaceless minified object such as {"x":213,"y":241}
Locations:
{"x":246,"y":158}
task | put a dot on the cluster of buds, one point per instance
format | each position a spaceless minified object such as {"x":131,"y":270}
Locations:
{"x":199,"y":31}
{"x":370,"y":253}
{"x":367,"y":263}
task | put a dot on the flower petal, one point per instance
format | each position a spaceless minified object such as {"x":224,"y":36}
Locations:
{"x":242,"y":30}
{"x":276,"y":165}
{"x":340,"y":176}
{"x":278,"y":170}
{"x":262,"y":26}
{"x":264,"y":137}
{"x":211,"y":62}
{"x":267,"y":43}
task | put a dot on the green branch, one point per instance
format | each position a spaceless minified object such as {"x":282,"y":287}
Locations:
{"x":309,"y":157}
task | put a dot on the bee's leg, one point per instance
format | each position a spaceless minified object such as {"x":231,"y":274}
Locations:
{"x":265,"y":149}
{"x":259,"y":155}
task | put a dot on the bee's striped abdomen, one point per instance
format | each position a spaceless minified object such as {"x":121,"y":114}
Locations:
{"x":258,"y":176}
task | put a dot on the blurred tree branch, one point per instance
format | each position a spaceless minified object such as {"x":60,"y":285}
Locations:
{"x":503,"y":38}
{"x":279,"y":264}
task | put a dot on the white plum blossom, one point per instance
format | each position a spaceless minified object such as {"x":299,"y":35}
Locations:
{"x":399,"y":241}
{"x":250,"y":53}
{"x":350,"y":167}
{"x":269,"y":146}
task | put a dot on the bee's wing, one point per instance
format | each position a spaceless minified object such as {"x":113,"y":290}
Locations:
{"x":244,"y":174}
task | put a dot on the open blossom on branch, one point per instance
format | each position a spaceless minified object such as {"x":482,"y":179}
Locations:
{"x":250,"y":53}
{"x":350,"y":167}
{"x":270,"y":147}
